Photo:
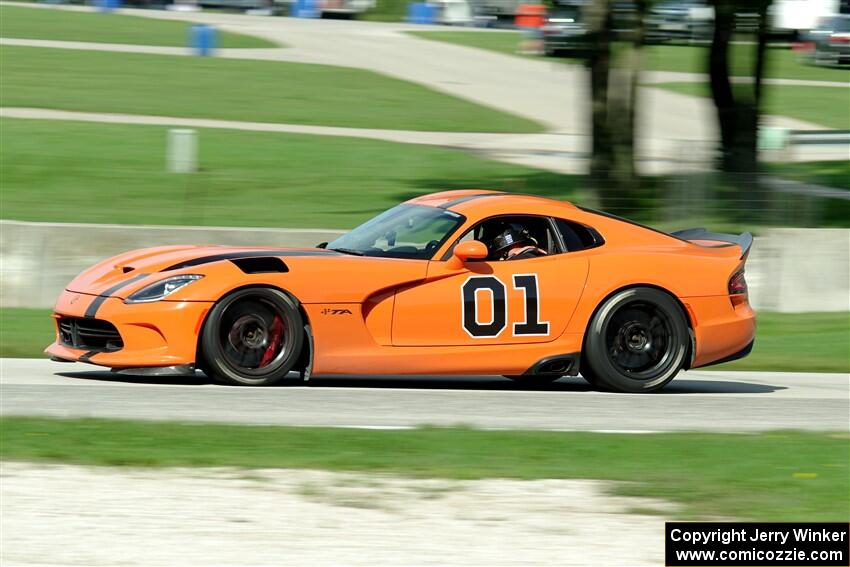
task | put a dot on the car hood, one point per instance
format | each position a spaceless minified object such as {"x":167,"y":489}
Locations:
{"x":122,"y":275}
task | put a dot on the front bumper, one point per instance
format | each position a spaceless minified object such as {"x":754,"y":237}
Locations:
{"x":160,"y":333}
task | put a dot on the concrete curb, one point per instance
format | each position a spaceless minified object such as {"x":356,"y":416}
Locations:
{"x":790,"y":270}
{"x":39,"y":259}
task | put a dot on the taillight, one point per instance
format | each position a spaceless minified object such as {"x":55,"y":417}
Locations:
{"x":839,"y":40}
{"x":737,"y":284}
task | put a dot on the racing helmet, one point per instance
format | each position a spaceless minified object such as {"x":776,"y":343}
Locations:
{"x":512,"y":235}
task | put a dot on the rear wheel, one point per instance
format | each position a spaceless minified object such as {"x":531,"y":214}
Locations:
{"x":252,"y":337}
{"x":636,"y":342}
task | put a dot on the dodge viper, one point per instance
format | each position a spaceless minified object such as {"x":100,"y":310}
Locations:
{"x":423,"y":289}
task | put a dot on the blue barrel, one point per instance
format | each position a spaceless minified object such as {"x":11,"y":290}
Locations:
{"x":305,"y":9}
{"x":107,"y":5}
{"x":421,"y":13}
{"x":412,"y":11}
{"x":202,"y":39}
{"x":429,"y":13}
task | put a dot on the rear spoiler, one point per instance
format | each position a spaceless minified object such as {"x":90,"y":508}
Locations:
{"x":745,"y":240}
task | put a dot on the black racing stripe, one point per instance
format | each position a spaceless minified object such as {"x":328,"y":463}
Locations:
{"x":91,"y":310}
{"x":237,"y":255}
{"x":460,"y":200}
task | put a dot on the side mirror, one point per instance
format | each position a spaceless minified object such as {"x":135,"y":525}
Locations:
{"x":467,"y":251}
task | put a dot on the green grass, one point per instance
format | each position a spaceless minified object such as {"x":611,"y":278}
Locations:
{"x":743,"y":476}
{"x":63,"y":25}
{"x":53,"y":170}
{"x":804,"y":342}
{"x":58,"y":171}
{"x":829,"y":173}
{"x":782,"y":63}
{"x":24,"y":333}
{"x":264,"y":91}
{"x":501,"y":41}
{"x":386,"y":11}
{"x":827,"y":106}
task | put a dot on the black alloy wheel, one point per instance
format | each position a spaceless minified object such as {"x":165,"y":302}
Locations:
{"x":636,"y":342}
{"x":252,"y":337}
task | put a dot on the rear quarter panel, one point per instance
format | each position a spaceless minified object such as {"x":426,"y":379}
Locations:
{"x":697,"y":276}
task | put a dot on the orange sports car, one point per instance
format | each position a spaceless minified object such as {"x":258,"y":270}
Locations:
{"x":458,"y":282}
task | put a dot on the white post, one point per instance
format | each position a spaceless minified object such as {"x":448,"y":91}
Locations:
{"x":182,"y":150}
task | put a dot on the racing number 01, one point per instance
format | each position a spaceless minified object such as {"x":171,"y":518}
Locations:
{"x":530,"y":326}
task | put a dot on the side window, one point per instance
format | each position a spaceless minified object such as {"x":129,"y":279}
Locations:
{"x":538,"y":228}
{"x":577,"y":236}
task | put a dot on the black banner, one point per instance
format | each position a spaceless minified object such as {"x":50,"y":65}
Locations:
{"x":767,"y":544}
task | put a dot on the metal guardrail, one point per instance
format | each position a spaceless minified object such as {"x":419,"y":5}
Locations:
{"x":807,"y":137}
{"x":772,"y":138}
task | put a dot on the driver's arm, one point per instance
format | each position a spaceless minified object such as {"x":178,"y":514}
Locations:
{"x":525,"y":252}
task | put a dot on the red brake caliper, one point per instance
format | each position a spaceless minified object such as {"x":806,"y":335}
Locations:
{"x":275,"y":335}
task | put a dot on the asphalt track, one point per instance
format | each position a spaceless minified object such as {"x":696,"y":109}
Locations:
{"x":696,"y":400}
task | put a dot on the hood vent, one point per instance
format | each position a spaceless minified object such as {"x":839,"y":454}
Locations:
{"x":261,"y":265}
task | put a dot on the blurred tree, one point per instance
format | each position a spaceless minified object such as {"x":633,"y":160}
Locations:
{"x":615,"y":34}
{"x":738,"y":109}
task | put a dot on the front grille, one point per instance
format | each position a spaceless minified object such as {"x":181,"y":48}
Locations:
{"x":89,"y":334}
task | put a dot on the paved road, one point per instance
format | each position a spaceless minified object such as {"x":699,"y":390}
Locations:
{"x":563,"y":153}
{"x":559,"y":152}
{"x":716,"y":401}
{"x":286,"y":54}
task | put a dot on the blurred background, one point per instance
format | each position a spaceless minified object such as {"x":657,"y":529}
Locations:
{"x":151,"y":123}
{"x":288,"y":122}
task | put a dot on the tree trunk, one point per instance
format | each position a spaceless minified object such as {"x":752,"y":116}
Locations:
{"x":737,"y":111}
{"x":613,"y":61}
{"x":622,"y":106}
{"x":599,"y":66}
{"x":721,"y":87}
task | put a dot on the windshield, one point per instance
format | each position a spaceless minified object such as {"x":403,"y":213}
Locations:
{"x":405,"y":231}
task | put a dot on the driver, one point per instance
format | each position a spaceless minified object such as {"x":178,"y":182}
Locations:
{"x":515,"y":243}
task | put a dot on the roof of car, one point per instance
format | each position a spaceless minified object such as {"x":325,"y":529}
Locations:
{"x":462,"y":199}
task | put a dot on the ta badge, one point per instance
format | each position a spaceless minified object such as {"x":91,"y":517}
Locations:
{"x":329,"y":311}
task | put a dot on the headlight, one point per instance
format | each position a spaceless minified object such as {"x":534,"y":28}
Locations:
{"x":161,"y":289}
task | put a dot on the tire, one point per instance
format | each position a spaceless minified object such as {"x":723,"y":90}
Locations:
{"x":588,"y":374}
{"x":636,"y":342}
{"x":252,"y":337}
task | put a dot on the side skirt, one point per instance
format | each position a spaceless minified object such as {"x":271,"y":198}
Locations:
{"x":557,"y":365}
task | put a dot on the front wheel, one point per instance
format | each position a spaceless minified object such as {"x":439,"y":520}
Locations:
{"x":636,"y":342}
{"x":252,"y":337}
